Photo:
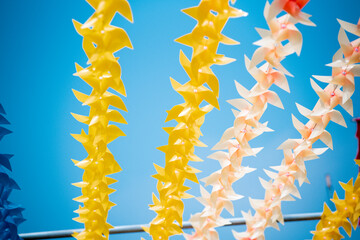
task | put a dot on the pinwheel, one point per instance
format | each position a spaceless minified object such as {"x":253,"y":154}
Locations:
{"x":347,"y":210}
{"x":296,"y":151}
{"x":247,"y":124}
{"x":101,"y":40}
{"x":204,"y":39}
{"x":293,"y":7}
{"x":10,"y":214}
{"x":346,"y":215}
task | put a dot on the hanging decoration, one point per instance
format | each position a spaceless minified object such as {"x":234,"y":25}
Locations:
{"x":100,"y":41}
{"x":296,"y":151}
{"x":347,"y":212}
{"x":10,"y":214}
{"x":247,"y":124}
{"x":211,"y":16}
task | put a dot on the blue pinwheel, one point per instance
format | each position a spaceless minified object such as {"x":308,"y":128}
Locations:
{"x":10,"y":214}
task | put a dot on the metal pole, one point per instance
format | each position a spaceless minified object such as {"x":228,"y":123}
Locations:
{"x":138,"y":228}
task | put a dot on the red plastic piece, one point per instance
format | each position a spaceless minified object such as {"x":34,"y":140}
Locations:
{"x":294,"y":7}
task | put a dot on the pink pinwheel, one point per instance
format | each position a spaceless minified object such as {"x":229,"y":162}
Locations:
{"x":283,"y":29}
{"x":266,"y":76}
{"x":350,"y":50}
{"x":352,"y":28}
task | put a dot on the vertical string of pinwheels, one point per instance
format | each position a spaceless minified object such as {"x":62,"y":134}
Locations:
{"x":211,"y":16}
{"x":347,"y":210}
{"x":101,"y":40}
{"x":10,"y":214}
{"x":247,"y":124}
{"x":339,"y":90}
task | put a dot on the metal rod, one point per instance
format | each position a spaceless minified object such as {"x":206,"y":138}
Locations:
{"x":138,"y":228}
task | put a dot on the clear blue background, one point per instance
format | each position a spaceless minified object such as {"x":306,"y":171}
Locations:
{"x":38,"y":48}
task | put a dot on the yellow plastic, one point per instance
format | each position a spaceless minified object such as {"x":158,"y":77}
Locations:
{"x":347,"y":212}
{"x":211,"y":16}
{"x":101,"y":40}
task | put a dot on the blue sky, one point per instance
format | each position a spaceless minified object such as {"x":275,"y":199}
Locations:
{"x":39,"y":47}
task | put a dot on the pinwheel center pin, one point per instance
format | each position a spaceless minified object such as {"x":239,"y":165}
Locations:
{"x":357,"y":49}
{"x":273,"y":197}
